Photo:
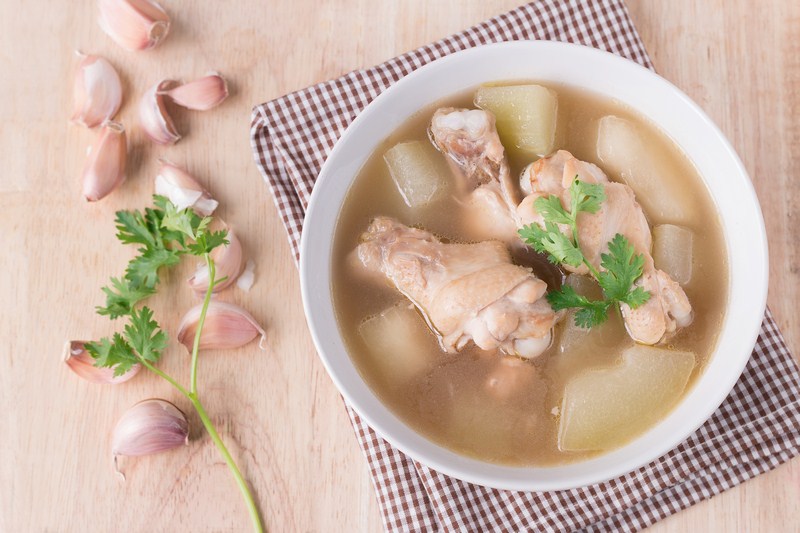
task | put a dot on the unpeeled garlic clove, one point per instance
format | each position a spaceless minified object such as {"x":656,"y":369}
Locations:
{"x":97,"y":91}
{"x":201,"y":94}
{"x":79,"y":361}
{"x":183,"y":190}
{"x":226,"y":326}
{"x":134,"y":24}
{"x":150,"y":426}
{"x":228,"y":264}
{"x":105,"y":164}
{"x":153,"y":115}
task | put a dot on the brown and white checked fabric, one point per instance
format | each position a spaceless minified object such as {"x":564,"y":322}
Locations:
{"x":756,"y":428}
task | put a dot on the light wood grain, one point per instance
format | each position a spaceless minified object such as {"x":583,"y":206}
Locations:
{"x":277,"y":409}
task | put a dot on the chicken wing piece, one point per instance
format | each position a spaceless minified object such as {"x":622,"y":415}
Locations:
{"x":668,"y":308}
{"x":467,"y":292}
{"x":469,"y":139}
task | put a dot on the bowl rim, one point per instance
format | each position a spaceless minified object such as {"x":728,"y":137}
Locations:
{"x":310,"y":271}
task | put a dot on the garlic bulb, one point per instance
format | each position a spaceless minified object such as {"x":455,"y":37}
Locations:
{"x":97,"y":91}
{"x":248,"y":277}
{"x":226,"y":326}
{"x":153,"y":115}
{"x":150,"y":426}
{"x":79,"y":361}
{"x":228,"y":264}
{"x":201,"y":94}
{"x":105,"y":164}
{"x":183,"y":190}
{"x":134,"y":24}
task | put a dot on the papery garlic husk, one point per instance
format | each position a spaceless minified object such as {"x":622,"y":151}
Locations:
{"x":134,"y":24}
{"x":82,"y":363}
{"x":201,"y":94}
{"x":105,"y":163}
{"x":150,"y":426}
{"x":183,"y":190}
{"x":247,"y":277}
{"x":227,"y":262}
{"x":153,"y":115}
{"x":226,"y":326}
{"x":97,"y":91}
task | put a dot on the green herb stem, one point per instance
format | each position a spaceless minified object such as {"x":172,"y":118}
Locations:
{"x":243,"y":487}
{"x":206,"y":301}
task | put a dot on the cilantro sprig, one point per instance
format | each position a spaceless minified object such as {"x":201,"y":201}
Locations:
{"x":163,"y":234}
{"x":558,"y":238}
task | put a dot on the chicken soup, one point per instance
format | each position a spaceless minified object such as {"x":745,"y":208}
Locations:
{"x":529,"y":274}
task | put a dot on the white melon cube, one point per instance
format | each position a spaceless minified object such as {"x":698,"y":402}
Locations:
{"x":400,"y":343}
{"x":645,"y":169}
{"x":526,"y":116}
{"x":419,"y":171}
{"x":606,"y":408}
{"x":672,"y":251}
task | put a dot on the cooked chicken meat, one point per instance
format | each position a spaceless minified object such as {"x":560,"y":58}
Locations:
{"x":668,"y":308}
{"x":467,"y":292}
{"x":469,"y":139}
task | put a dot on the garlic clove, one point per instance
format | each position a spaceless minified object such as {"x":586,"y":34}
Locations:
{"x":153,"y":115}
{"x":150,"y":426}
{"x":226,"y":326}
{"x":228,"y":263}
{"x":97,"y":91}
{"x":201,"y":94}
{"x":134,"y":24}
{"x":248,"y":277}
{"x":79,"y":361}
{"x":183,"y":190}
{"x":104,"y":168}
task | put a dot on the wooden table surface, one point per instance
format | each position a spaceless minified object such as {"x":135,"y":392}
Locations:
{"x":277,"y":409}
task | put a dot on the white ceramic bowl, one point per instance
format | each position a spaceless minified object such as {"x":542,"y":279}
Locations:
{"x":602,"y":73}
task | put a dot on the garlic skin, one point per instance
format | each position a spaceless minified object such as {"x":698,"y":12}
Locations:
{"x":104,"y":169}
{"x":226,"y":326}
{"x":153,"y":115}
{"x":82,"y":364}
{"x":201,"y":94}
{"x":227,"y":261}
{"x":97,"y":91}
{"x":134,"y":24}
{"x":183,"y":190}
{"x":150,"y":426}
{"x":247,"y":277}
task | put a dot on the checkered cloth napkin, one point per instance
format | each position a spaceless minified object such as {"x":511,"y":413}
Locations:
{"x":755,"y":429}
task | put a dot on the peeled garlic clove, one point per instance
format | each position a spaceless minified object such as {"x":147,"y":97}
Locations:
{"x":97,"y":91}
{"x":228,"y":264}
{"x":134,"y":24}
{"x":154,"y":117}
{"x":201,"y":94}
{"x":79,"y":361}
{"x":150,"y":426}
{"x":183,"y":190}
{"x":105,"y":164}
{"x":226,"y":326}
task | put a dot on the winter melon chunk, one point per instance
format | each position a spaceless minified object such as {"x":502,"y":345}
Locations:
{"x":606,"y":408}
{"x":525,"y":114}
{"x":418,"y":170}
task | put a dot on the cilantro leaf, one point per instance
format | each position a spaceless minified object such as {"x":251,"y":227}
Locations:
{"x":132,"y":228}
{"x":590,"y":312}
{"x":142,"y":271}
{"x":551,"y":210}
{"x":559,"y":247}
{"x":112,"y":353}
{"x":121,"y":297}
{"x":585,"y":197}
{"x":622,"y":268}
{"x":144,"y":335}
{"x":206,"y":242}
{"x":637,"y":297}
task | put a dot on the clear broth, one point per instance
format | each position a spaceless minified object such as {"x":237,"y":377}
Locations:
{"x":448,"y":401}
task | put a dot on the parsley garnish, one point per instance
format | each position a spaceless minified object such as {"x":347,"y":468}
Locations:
{"x":619,"y":268}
